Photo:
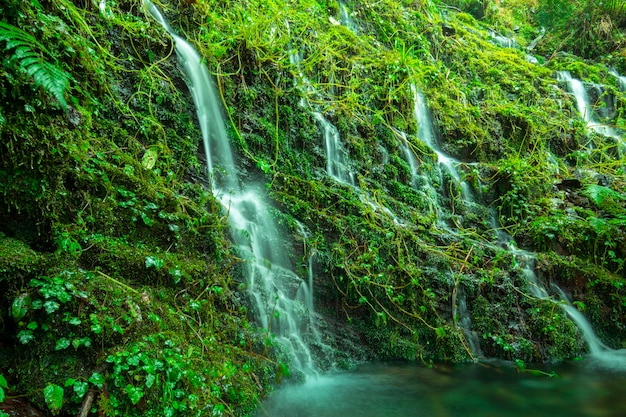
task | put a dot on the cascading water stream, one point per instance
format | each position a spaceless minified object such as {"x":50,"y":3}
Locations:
{"x":620,"y":78}
{"x":525,"y":260}
{"x":337,"y":161}
{"x":337,"y":158}
{"x":502,"y":41}
{"x":427,"y":135}
{"x":345,"y":19}
{"x":585,"y":108}
{"x":272,"y":285}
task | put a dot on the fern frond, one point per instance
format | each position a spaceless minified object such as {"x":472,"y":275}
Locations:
{"x":28,"y":52}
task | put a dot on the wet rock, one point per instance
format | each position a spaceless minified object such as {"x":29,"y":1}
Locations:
{"x":569,"y":184}
{"x":448,"y":31}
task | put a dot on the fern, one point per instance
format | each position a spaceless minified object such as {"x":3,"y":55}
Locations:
{"x":598,"y":194}
{"x":28,"y":52}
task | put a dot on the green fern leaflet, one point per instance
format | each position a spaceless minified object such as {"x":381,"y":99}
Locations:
{"x":28,"y":52}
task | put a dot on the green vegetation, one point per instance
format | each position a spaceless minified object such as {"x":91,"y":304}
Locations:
{"x":121,"y":293}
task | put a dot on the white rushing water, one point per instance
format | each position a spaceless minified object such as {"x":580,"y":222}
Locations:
{"x":426,"y":134}
{"x":525,"y":260}
{"x":345,"y":18}
{"x":337,"y":161}
{"x":502,"y":41}
{"x":275,"y":290}
{"x":620,"y":78}
{"x":585,"y":107}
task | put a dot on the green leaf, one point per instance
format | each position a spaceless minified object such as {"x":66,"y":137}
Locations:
{"x":3,"y":382}
{"x":84,"y":341}
{"x":176,"y":274}
{"x":20,"y":306}
{"x":62,"y":343}
{"x":441,"y":332}
{"x":97,"y":379}
{"x":150,"y":157}
{"x":53,"y":394}
{"x":25,"y":336}
{"x":80,"y":388}
{"x":598,"y":194}
{"x":51,"y":306}
{"x":150,"y":379}
{"x":1,"y":395}
{"x":134,"y":393}
{"x":29,"y":54}
{"x":154,"y":262}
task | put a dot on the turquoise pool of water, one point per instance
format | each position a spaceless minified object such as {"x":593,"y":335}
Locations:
{"x":581,"y":388}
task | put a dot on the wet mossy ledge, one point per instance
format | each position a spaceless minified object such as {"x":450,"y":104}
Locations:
{"x":122,"y":293}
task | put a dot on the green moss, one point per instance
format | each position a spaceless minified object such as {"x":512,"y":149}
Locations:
{"x":108,"y":203}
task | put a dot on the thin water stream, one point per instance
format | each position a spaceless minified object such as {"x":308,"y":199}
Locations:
{"x":280,"y":301}
{"x":620,"y":78}
{"x":585,"y":107}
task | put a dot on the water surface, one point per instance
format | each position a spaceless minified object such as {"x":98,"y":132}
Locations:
{"x":583,"y":388}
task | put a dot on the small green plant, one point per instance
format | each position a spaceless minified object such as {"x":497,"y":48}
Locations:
{"x":53,"y":395}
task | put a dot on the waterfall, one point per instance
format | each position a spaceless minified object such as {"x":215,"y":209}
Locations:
{"x":337,"y":159}
{"x":462,"y":319}
{"x":345,"y":19}
{"x":525,"y":261}
{"x":426,"y":133}
{"x":585,"y":108}
{"x":337,"y":163}
{"x":272,"y":285}
{"x":600,"y":355}
{"x":620,"y":78}
{"x":501,"y":41}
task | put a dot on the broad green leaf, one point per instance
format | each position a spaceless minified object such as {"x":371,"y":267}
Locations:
{"x":20,"y":306}
{"x":598,"y":194}
{"x":150,"y":379}
{"x":440,"y":331}
{"x":134,"y":393}
{"x":53,"y":394}
{"x":62,"y":343}
{"x":80,"y":388}
{"x":97,"y":379}
{"x":154,"y":262}
{"x":25,"y":336}
{"x":3,"y":382}
{"x":150,"y":157}
{"x":51,"y":306}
